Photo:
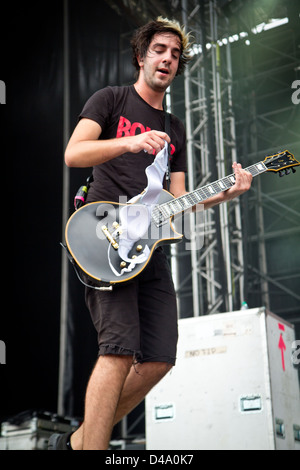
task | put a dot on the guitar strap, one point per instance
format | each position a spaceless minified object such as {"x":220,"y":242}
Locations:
{"x":168,"y":131}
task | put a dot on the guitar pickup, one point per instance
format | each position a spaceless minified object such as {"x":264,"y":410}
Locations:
{"x":109,"y":237}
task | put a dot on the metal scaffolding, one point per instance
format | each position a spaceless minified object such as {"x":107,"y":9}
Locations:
{"x":217,"y":269}
{"x":227,"y":118}
{"x":235,"y":262}
{"x":271,"y":126}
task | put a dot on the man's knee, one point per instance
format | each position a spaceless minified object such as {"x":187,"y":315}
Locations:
{"x":115,"y":361}
{"x":157,"y":370}
{"x":164,"y":368}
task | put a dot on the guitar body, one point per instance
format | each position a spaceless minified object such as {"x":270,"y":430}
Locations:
{"x":92,"y":248}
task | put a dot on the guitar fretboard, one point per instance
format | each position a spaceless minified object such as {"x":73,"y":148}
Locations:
{"x":166,"y":210}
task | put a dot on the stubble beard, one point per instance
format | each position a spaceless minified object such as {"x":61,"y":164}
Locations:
{"x":156,"y":84}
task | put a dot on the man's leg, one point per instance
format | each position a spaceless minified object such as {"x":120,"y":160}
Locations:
{"x":140,"y":380}
{"x":102,"y":398}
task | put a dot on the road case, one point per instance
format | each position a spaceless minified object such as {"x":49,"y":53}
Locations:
{"x":235,"y":386}
{"x":31,"y":430}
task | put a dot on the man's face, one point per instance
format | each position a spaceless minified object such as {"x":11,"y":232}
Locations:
{"x":160,"y":64}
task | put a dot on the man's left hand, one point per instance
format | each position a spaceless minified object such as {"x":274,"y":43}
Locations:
{"x":243,"y":180}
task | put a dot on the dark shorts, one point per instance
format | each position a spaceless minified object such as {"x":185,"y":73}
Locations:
{"x":138,"y":317}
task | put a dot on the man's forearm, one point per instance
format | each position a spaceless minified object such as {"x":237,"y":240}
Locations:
{"x":88,"y":153}
{"x":215,"y":200}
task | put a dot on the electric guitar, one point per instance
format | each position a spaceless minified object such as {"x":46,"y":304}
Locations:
{"x":93,"y":232}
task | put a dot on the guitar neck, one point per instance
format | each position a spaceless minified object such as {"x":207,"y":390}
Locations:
{"x":175,"y":206}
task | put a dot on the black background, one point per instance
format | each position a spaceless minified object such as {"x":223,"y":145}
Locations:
{"x":32,"y":131}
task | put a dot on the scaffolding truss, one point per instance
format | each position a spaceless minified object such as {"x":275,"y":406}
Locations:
{"x":271,"y":126}
{"x":228,"y":117}
{"x":216,"y":281}
{"x":239,"y":111}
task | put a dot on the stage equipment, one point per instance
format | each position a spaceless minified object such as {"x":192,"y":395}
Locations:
{"x":234,"y":387}
{"x":31,"y":430}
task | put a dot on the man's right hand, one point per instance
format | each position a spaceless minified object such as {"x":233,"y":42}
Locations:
{"x":151,"y":142}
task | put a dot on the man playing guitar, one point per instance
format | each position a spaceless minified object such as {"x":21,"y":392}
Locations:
{"x":120,"y":131}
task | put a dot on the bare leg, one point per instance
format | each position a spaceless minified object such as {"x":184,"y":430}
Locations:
{"x":138,"y":383}
{"x":103,"y":394}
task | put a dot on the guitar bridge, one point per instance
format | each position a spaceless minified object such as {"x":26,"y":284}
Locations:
{"x":109,"y":237}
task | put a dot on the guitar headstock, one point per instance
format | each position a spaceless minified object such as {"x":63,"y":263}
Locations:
{"x":282,"y":162}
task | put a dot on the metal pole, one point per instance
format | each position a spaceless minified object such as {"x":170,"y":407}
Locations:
{"x":216,"y":77}
{"x":65,"y":214}
{"x":191,"y":178}
{"x":237,"y":208}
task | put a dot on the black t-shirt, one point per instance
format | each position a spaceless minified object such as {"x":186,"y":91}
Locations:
{"x":120,"y":111}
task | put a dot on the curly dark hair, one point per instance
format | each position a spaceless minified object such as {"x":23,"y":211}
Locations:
{"x":143,"y":36}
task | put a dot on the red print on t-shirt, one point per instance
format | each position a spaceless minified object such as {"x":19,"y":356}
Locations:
{"x":126,"y":128}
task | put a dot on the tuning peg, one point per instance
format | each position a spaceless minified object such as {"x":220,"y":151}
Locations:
{"x":294,"y":170}
{"x":287,"y":171}
{"x":281,"y":173}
